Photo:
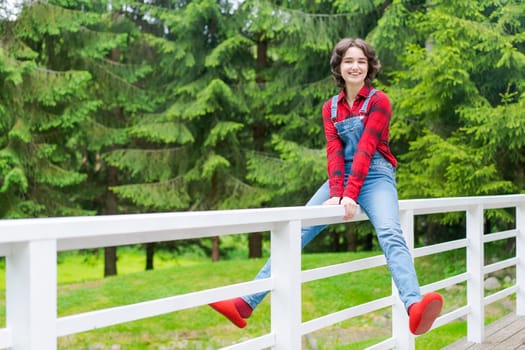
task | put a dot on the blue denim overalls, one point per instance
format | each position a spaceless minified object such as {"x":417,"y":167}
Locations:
{"x":378,"y":199}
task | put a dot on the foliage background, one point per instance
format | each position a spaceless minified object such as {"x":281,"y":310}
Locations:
{"x":145,"y":106}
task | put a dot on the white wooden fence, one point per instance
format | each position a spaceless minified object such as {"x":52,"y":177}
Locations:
{"x":30,"y":247}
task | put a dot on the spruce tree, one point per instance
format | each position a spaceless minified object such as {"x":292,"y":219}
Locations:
{"x":111,"y":51}
{"x":81,"y":97}
{"x":457,"y":99}
{"x":41,"y":107}
{"x":457,"y":85}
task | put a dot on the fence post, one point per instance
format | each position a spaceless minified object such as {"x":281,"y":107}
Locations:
{"x":475,"y":285}
{"x":286,"y":298}
{"x":31,"y":296}
{"x":520,"y":254}
{"x":400,"y":330}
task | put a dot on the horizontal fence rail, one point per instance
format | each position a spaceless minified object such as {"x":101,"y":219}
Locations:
{"x":31,"y":245}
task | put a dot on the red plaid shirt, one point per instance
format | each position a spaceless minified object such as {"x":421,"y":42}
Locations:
{"x":375,"y":137}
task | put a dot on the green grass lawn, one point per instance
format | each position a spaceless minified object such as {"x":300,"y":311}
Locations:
{"x":82,"y":289}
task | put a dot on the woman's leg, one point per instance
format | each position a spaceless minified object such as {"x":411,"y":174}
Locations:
{"x":378,"y":198}
{"x":308,"y":233}
{"x":238,"y":309}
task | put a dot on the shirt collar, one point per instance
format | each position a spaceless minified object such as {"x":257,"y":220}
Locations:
{"x":365,"y":90}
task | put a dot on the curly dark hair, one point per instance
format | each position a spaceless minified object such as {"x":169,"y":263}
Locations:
{"x":337,"y":55}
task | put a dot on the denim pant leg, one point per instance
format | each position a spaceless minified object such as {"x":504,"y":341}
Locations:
{"x":307,"y":234}
{"x":378,"y":198}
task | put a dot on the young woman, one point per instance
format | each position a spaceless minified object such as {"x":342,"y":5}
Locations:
{"x":361,"y":170}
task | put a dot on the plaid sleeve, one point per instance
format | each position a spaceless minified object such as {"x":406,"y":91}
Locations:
{"x":334,"y":154}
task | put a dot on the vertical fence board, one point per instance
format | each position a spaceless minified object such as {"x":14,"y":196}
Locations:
{"x":31,"y":295}
{"x":475,"y":287}
{"x":286,"y":296}
{"x":400,"y":330}
{"x":520,"y":266}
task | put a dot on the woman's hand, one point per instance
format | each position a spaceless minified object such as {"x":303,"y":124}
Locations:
{"x":332,"y":201}
{"x":350,"y":207}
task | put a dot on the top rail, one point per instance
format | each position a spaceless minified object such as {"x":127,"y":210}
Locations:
{"x":110,"y":230}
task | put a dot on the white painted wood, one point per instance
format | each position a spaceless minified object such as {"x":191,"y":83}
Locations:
{"x":499,"y":236}
{"x":286,"y":296}
{"x":384,"y":345}
{"x":31,"y":297}
{"x":111,"y":316}
{"x":447,"y":282}
{"x":500,"y":295}
{"x":342,"y":315}
{"x":263,"y":342}
{"x":520,"y":254}
{"x":440,"y":247}
{"x":500,"y":265}
{"x":451,"y":316}
{"x":6,"y":341}
{"x":436,"y":205}
{"x":400,"y":324}
{"x":339,"y":269}
{"x":235,"y":221}
{"x":475,"y":287}
{"x":30,"y":247}
{"x":169,"y":224}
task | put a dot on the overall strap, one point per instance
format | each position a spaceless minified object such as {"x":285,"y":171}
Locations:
{"x":334,"y":107}
{"x":363,"y":109}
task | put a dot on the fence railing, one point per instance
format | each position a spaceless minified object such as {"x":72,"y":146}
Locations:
{"x":30,"y":247}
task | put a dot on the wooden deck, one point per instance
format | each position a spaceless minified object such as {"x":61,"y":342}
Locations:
{"x":507,"y":333}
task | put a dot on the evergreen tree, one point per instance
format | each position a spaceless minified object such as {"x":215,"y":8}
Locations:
{"x":41,"y":107}
{"x":111,"y":51}
{"x":87,"y":79}
{"x":458,"y":101}
{"x":458,"y":84}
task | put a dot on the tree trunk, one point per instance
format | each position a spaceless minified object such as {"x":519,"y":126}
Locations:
{"x":150,"y":253}
{"x":110,"y":261}
{"x":368,"y":242}
{"x":255,"y":245}
{"x":110,"y":253}
{"x":259,"y":138}
{"x":351,"y":239}
{"x":215,"y":243}
{"x":215,"y":248}
{"x":262,"y":58}
{"x":336,"y":241}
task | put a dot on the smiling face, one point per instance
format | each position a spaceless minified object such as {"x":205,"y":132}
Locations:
{"x":345,"y":52}
{"x":354,"y":67}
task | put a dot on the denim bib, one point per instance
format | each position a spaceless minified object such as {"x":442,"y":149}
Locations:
{"x":350,"y":131}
